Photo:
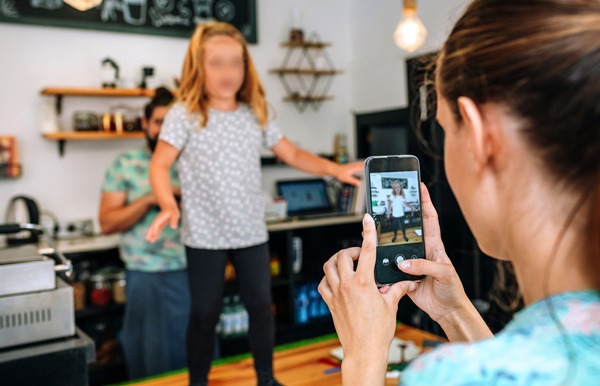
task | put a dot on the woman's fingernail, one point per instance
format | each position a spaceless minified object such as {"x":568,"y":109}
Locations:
{"x":412,"y":286}
{"x":367,"y":219}
{"x":405,"y":264}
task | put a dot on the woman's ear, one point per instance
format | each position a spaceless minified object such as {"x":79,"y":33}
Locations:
{"x":473,"y":121}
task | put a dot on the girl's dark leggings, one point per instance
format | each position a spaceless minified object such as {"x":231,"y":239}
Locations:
{"x":206,"y":272}
{"x":398,"y":223}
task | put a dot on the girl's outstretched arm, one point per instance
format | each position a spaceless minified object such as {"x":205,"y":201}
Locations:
{"x":311,"y":163}
{"x":163,"y":158}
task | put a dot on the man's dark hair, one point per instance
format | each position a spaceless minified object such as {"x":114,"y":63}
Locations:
{"x":162,"y":97}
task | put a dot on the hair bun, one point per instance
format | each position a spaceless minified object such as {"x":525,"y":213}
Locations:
{"x":162,"y":92}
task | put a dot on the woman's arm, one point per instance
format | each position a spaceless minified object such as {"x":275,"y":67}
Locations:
{"x":160,"y":179}
{"x":441,"y":293}
{"x":115,"y":215}
{"x":310,"y":163}
{"x":364,"y":316}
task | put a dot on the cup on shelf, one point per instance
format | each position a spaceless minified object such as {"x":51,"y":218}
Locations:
{"x":107,"y":122}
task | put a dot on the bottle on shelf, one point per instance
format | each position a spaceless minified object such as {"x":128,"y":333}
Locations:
{"x":302,"y":302}
{"x":314,"y":301}
{"x":245,"y":319}
{"x":237,"y":316}
{"x":275,"y":266}
{"x":226,"y":318}
{"x":296,"y":254}
{"x":341,"y":149}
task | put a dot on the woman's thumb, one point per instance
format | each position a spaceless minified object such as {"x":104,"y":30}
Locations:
{"x":398,"y":290}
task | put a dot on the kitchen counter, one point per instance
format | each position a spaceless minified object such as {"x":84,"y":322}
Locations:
{"x":78,"y":244}
{"x":105,"y":242}
{"x":83,"y":244}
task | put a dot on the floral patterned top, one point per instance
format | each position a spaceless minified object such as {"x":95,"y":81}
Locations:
{"x":555,"y":341}
{"x":129,"y":173}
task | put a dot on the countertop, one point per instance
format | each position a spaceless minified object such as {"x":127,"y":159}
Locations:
{"x":105,"y":242}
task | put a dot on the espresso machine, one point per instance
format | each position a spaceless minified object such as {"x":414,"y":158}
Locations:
{"x":37,"y":318}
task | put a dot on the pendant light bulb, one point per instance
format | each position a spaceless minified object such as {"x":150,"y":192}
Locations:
{"x":410,"y":33}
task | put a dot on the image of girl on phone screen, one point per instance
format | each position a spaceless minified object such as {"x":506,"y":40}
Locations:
{"x":216,"y":130}
{"x":396,"y":204}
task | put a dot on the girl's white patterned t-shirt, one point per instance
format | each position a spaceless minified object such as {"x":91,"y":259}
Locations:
{"x":220,"y":174}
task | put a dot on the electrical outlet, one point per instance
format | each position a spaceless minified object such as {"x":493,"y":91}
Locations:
{"x":75,"y":228}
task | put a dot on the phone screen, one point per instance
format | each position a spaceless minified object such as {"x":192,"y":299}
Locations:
{"x":394,"y":201}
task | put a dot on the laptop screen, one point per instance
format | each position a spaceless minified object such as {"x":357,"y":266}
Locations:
{"x":304,"y":196}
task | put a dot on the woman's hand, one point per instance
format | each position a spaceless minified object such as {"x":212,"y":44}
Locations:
{"x":364,"y":316}
{"x":441,"y":294}
{"x":166,"y":216}
{"x":345,"y":173}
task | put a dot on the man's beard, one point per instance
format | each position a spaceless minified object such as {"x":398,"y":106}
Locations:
{"x":151,"y":141}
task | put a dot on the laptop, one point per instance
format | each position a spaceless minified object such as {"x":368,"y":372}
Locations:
{"x":307,"y":199}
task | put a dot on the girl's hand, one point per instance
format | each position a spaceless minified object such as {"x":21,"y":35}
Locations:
{"x":166,"y":216}
{"x":441,"y":294}
{"x":345,"y":173}
{"x":364,"y":316}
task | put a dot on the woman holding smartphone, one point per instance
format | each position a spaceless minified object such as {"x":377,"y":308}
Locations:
{"x":518,"y":85}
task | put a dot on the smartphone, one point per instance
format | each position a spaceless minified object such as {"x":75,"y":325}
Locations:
{"x":394,"y":201}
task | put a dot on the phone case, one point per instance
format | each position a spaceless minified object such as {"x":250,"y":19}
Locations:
{"x":390,"y":253}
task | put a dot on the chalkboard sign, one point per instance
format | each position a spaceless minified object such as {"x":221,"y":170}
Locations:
{"x":154,"y":17}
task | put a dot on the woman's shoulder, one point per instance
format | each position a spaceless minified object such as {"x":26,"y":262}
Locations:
{"x":531,"y":350}
{"x":489,"y":362}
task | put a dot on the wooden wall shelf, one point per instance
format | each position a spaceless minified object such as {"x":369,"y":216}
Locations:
{"x":307,"y":98}
{"x":60,"y":92}
{"x":91,"y":135}
{"x":301,"y":77}
{"x":63,"y":137}
{"x":304,"y":71}
{"x":99,"y":92}
{"x":317,"y":45}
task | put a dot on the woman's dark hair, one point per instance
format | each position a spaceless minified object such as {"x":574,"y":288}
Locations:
{"x":540,"y":59}
{"x":162,"y":97}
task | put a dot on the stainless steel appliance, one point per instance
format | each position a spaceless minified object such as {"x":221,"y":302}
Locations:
{"x":22,"y":210}
{"x":35,"y":305}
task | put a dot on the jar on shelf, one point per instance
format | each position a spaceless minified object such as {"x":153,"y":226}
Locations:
{"x":81,"y":279}
{"x":229,"y":272}
{"x":275,"y":266}
{"x":118,"y":288}
{"x":100,"y":290}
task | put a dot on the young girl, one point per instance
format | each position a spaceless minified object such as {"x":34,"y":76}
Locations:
{"x":216,"y":131}
{"x":396,"y":203}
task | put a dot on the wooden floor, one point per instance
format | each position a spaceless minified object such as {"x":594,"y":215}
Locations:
{"x":386,"y":238}
{"x":310,"y":364}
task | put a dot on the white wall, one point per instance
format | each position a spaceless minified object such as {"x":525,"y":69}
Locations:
{"x":36,"y":57}
{"x":379,"y":67}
